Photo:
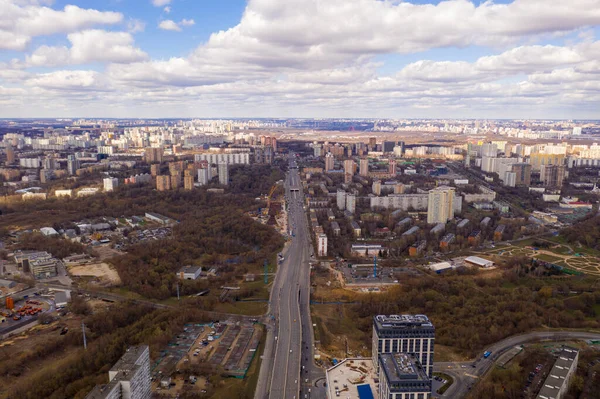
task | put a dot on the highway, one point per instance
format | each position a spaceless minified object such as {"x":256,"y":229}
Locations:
{"x":465,"y":375}
{"x":287,"y":370}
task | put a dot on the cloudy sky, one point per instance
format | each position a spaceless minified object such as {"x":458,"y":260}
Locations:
{"x":300,"y":58}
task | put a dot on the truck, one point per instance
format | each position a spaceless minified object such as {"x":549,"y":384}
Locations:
{"x":486,"y":354}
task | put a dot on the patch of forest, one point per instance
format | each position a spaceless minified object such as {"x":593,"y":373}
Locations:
{"x":470,"y":313}
{"x":109,"y":334}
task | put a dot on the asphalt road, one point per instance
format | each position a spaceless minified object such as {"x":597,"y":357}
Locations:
{"x":465,"y":375}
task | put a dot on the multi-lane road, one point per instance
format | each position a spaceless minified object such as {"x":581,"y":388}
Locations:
{"x":287,"y":370}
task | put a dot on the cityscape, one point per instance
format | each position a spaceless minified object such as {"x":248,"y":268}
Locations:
{"x":299,"y":200}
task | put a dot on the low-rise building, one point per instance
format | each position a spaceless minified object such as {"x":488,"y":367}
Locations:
{"x":477,"y":261}
{"x":474,"y":237}
{"x":447,"y":240}
{"x":189,"y":272}
{"x":499,"y":232}
{"x":417,"y":248}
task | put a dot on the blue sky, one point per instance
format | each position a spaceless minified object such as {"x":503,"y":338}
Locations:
{"x":360,"y":58}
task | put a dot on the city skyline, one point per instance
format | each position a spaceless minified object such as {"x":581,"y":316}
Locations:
{"x":366,"y":59}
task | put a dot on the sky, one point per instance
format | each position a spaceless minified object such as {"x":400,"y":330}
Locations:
{"x":534,"y":59}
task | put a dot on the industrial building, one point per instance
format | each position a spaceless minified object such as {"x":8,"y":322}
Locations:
{"x":189,"y":272}
{"x":477,"y":261}
{"x":129,"y":378}
{"x":401,"y":376}
{"x":411,"y":334}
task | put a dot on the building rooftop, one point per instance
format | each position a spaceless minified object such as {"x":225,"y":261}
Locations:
{"x":401,"y":367}
{"x":351,"y":377}
{"x":404,"y":321}
{"x":558,"y":374}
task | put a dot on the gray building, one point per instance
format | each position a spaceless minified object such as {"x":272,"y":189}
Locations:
{"x":557,"y":382}
{"x":129,"y":378}
{"x":401,"y":376}
{"x":410,"y":334}
{"x":223,"y":173}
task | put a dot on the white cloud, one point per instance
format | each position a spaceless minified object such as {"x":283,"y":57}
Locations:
{"x":167,"y":9}
{"x":89,"y":46}
{"x":171,"y":25}
{"x":69,"y":81}
{"x":160,"y":3}
{"x":135,"y":25}
{"x":305,"y":33}
{"x":168,"y":24}
{"x":22,"y":20}
{"x":317,"y":58}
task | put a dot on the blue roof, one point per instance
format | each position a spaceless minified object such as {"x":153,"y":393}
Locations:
{"x":365,"y":392}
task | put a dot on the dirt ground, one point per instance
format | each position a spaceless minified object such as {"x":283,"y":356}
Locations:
{"x":101,"y":270}
{"x":106,"y":252}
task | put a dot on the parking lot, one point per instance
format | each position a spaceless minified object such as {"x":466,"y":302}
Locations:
{"x":25,"y":311}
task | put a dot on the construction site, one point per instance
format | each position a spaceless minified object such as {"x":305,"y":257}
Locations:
{"x":229,"y":346}
{"x":373,"y":274}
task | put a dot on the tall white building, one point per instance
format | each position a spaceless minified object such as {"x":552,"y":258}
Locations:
{"x":489,"y":150}
{"x":351,"y":203}
{"x":440,"y":205}
{"x":223,"y":173}
{"x":322,"y":244}
{"x":129,"y":378}
{"x":204,"y":176}
{"x":341,"y":200}
{"x":110,"y":184}
{"x":577,"y":131}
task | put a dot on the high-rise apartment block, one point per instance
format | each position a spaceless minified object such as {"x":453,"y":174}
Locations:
{"x":155,"y":170}
{"x":388,"y":146}
{"x":10,"y":155}
{"x":329,"y":162}
{"x":392,"y":167}
{"x":538,"y":159}
{"x":351,"y":203}
{"x":349,"y":167}
{"x":552,"y":175}
{"x":223,"y":174}
{"x":372,"y":143}
{"x":154,"y":155}
{"x":163,"y":182}
{"x":129,"y":378}
{"x":364,"y":167}
{"x":188,"y":182}
{"x":489,"y":150}
{"x":175,"y":181}
{"x":110,"y":184}
{"x":376,"y":187}
{"x":72,"y":165}
{"x":440,"y":205}
{"x":204,"y":176}
{"x":341,"y":200}
{"x":322,"y":244}
{"x":409,"y":334}
{"x":523,"y":174}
